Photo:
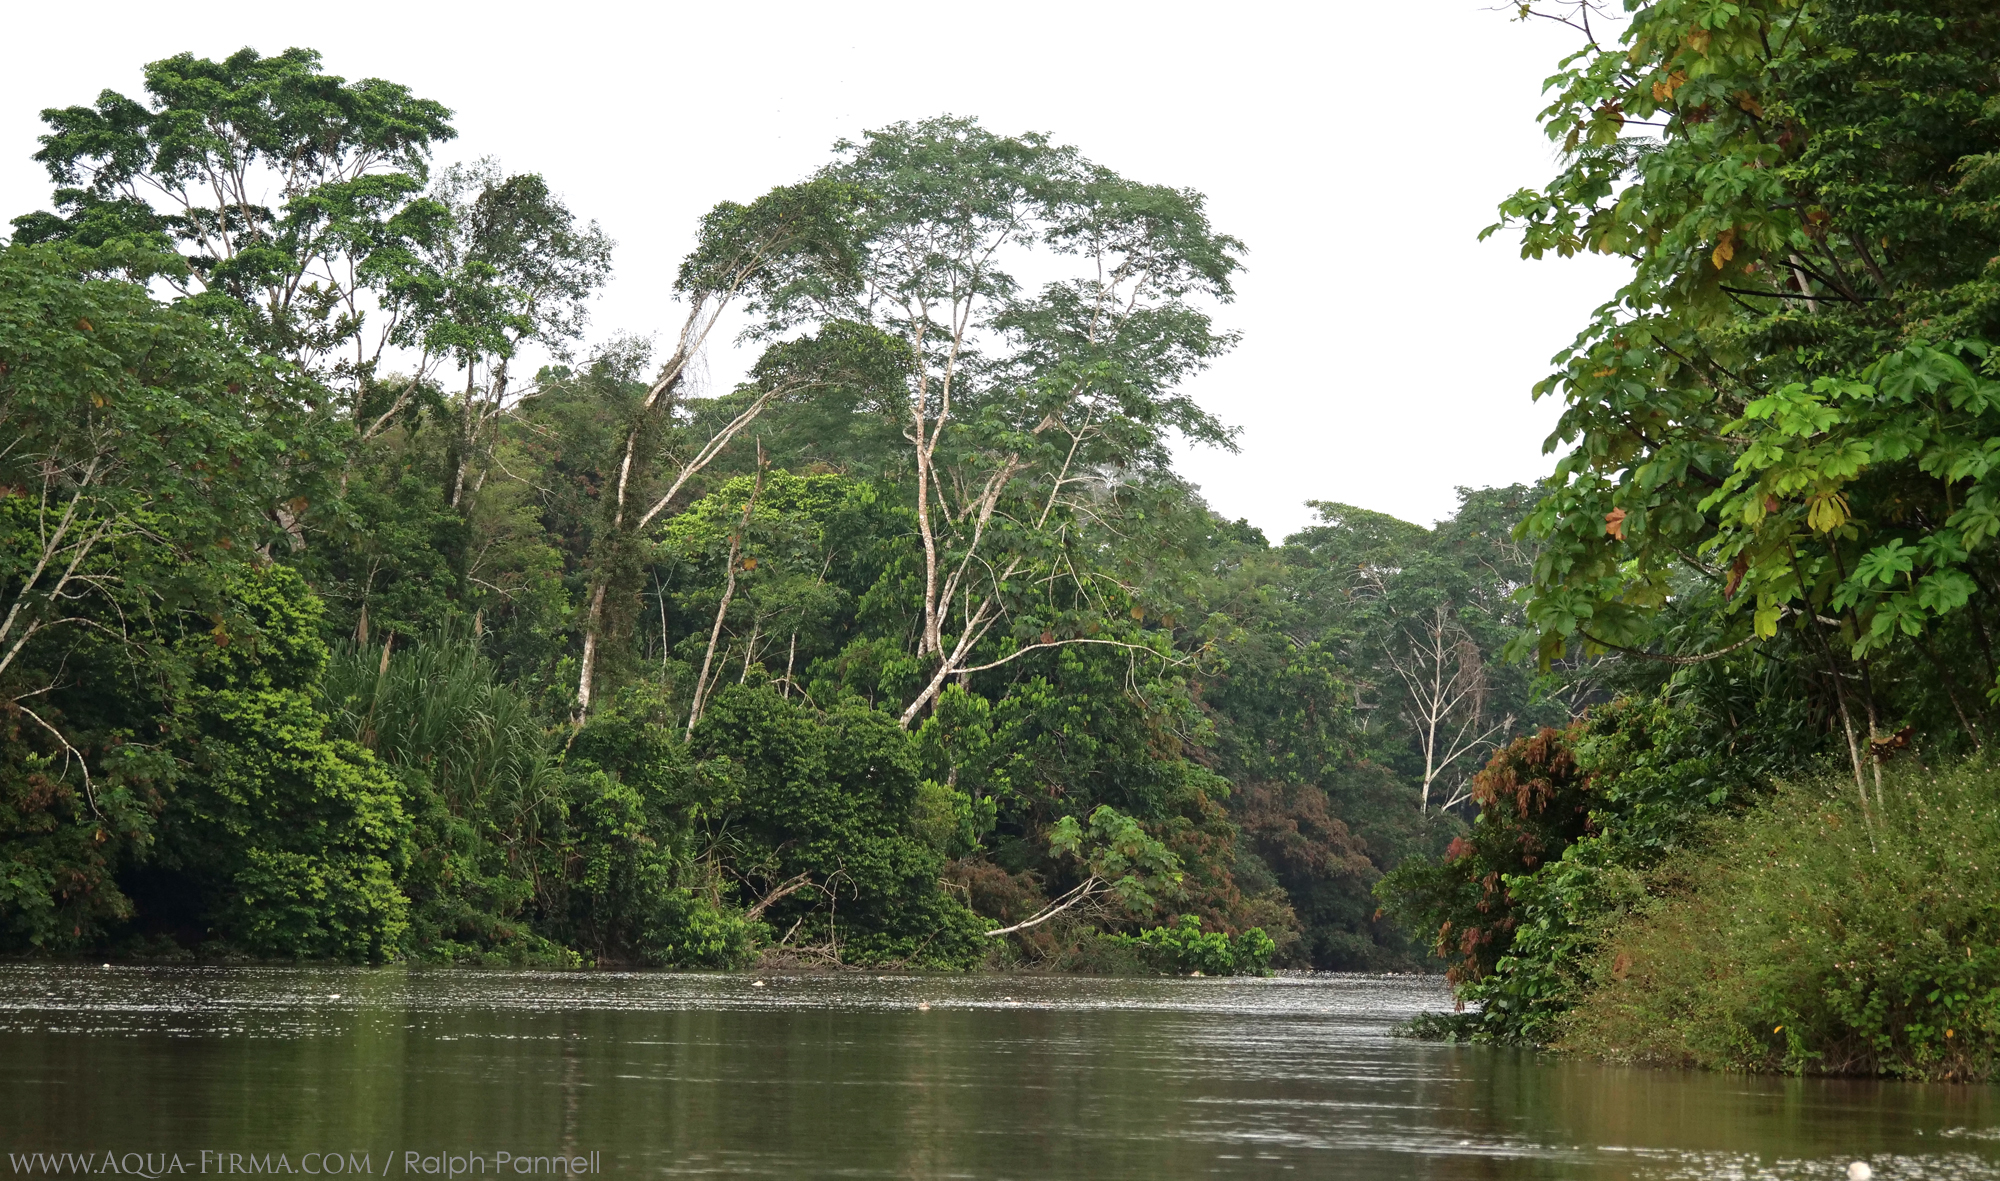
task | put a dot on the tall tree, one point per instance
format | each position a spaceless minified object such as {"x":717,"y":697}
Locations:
{"x":787,"y":242}
{"x":1779,"y":432}
{"x":1029,"y":400}
{"x":512,"y":266}
{"x":195,"y":169}
{"x":142,"y":446}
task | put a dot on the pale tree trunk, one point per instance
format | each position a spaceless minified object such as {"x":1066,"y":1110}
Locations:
{"x":62,"y":552}
{"x":58,"y":569}
{"x":925,"y":433}
{"x":1854,"y":756}
{"x":709,"y":306}
{"x":1091,"y":887}
{"x":655,"y":408}
{"x":1444,"y":676}
{"x":943,"y":587}
{"x":653,"y":411}
{"x":728,"y":593}
{"x":1854,"y":747}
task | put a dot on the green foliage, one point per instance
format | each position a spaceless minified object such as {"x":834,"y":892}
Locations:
{"x":1119,"y":852}
{"x":142,"y":441}
{"x":1774,"y":432}
{"x":476,"y":768}
{"x":504,"y":263}
{"x":1184,"y":948}
{"x":912,"y":635}
{"x":1534,"y":803}
{"x":630,"y":892}
{"x":1810,"y":937}
{"x":139,"y":441}
{"x":64,"y":838}
{"x":346,"y":159}
{"x":1527,"y":903}
{"x":1560,"y":915}
{"x":950,"y":821}
{"x":1770,"y":491}
{"x":823,"y":805}
{"x":1658,"y":771}
{"x":293,"y":839}
{"x":1321,"y":648}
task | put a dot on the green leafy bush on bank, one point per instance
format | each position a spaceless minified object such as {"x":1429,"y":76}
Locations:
{"x":1795,"y":934}
{"x":1183,"y":948}
{"x":1810,"y":938}
{"x":1570,"y":824}
{"x":1180,"y":948}
{"x":1648,"y":780}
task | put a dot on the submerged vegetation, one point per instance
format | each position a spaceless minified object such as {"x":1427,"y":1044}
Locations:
{"x":331,"y":632}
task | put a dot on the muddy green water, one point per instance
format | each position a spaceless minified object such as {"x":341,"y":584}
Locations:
{"x":179,"y":1070}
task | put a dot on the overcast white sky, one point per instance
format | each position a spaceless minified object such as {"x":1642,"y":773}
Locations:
{"x":1356,"y":147}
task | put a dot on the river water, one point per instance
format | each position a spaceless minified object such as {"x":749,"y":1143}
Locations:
{"x":181,"y":1071}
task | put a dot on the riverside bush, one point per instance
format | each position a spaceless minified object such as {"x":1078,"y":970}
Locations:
{"x":1184,"y":948}
{"x":1570,"y":824}
{"x":1653,"y":782}
{"x":1815,"y":938}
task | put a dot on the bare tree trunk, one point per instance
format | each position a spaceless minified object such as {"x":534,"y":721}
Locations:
{"x":1805,"y":284}
{"x":1847,"y":726}
{"x":653,"y":409}
{"x":1874,"y":732}
{"x":1854,"y":755}
{"x":657,"y":399}
{"x":1444,"y":674}
{"x":728,"y":593}
{"x":750,"y":650}
{"x":662,"y":593}
{"x":79,"y":545}
{"x":727,"y":282}
{"x":465,"y":432}
{"x":587,"y":679}
{"x":1090,"y":888}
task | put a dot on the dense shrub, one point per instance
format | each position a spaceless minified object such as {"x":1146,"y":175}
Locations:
{"x":820,"y":816}
{"x":1183,"y":948}
{"x":291,"y":839}
{"x":1292,"y":843}
{"x":1533,"y":804}
{"x":1569,"y":825}
{"x":1808,"y":939}
{"x":479,"y":775}
{"x":1653,"y":778}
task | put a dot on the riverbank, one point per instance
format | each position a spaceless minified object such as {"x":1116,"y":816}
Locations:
{"x":1820,"y":931}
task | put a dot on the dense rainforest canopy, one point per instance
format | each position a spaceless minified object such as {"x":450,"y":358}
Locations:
{"x":356,"y":605}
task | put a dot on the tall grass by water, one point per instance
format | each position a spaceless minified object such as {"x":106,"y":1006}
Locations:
{"x":441,"y":706}
{"x":481,"y":775}
{"x":1815,"y":937}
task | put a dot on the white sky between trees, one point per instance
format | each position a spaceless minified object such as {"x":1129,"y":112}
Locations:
{"x":1357,"y":148}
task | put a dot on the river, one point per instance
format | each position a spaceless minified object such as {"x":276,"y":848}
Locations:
{"x":192,"y":1070}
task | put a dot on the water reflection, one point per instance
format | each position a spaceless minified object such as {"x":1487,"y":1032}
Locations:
{"x":846,"y":1076}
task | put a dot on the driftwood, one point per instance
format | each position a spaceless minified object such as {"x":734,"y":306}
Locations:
{"x":1091,"y":887}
